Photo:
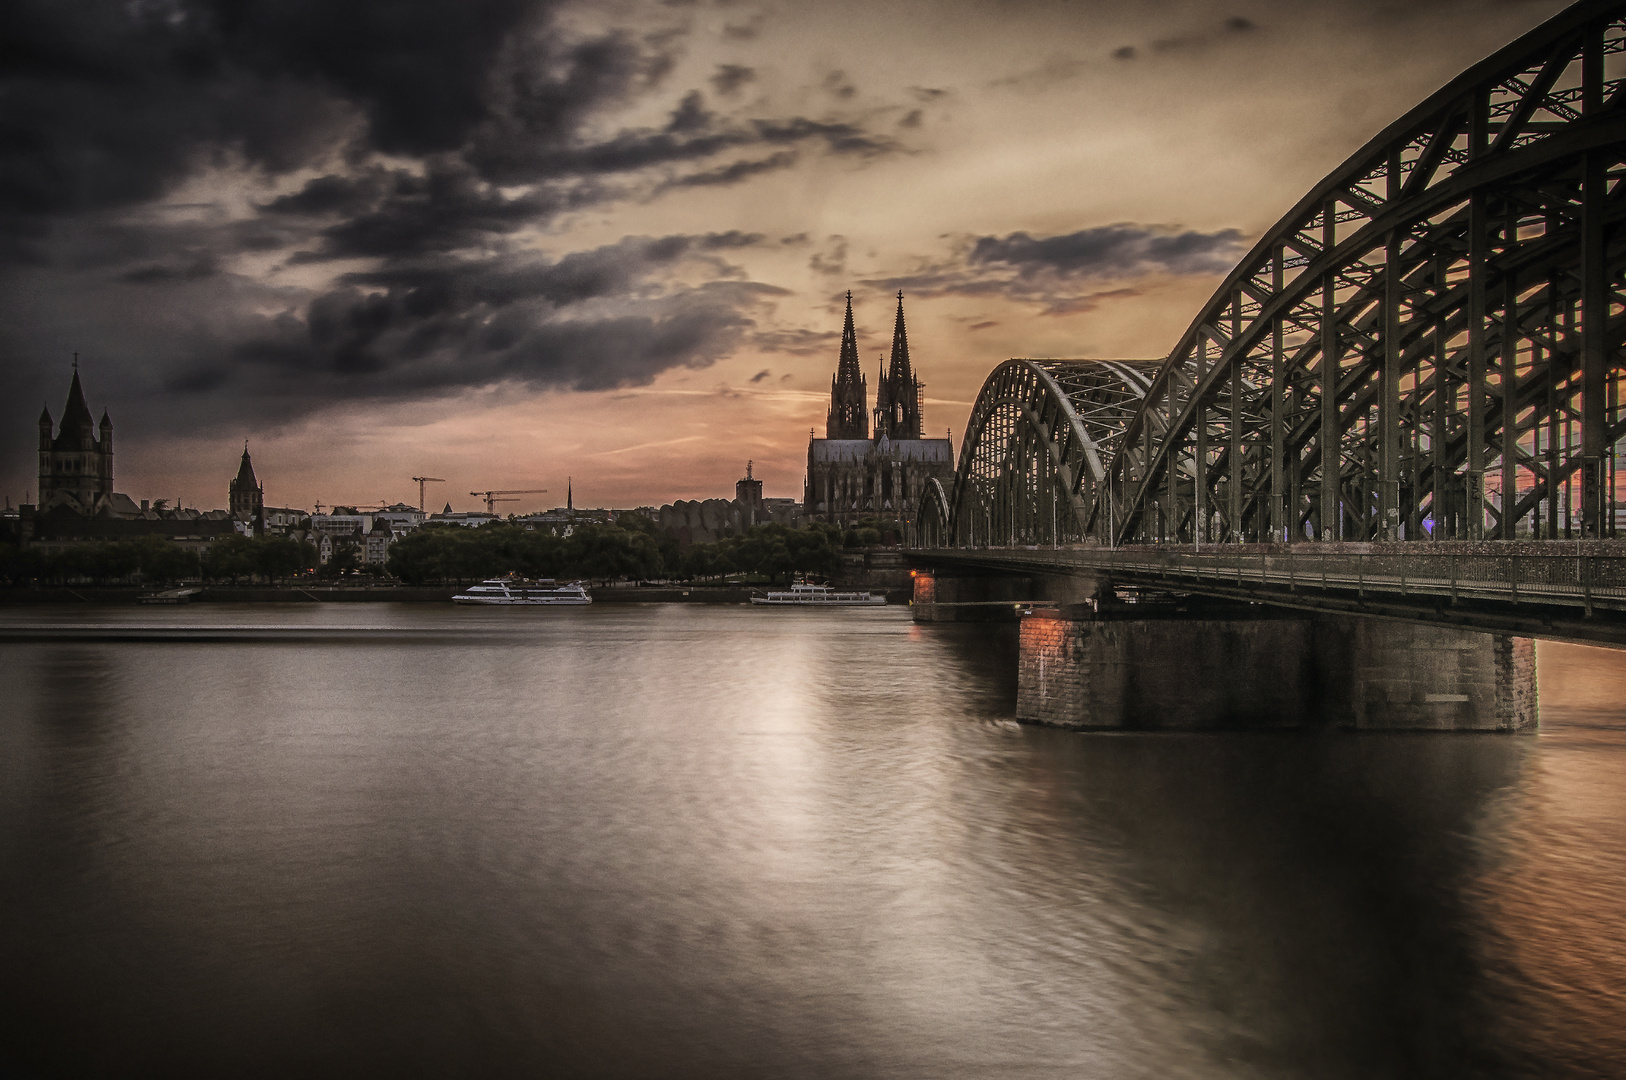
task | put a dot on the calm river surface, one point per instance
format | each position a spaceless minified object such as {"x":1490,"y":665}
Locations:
{"x":652,"y":841}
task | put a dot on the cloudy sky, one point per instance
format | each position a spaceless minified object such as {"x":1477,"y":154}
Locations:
{"x":510,"y":241}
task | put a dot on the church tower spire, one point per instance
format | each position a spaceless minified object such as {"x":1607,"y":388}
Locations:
{"x":849,"y":394}
{"x":897,"y":401}
{"x":246,"y":495}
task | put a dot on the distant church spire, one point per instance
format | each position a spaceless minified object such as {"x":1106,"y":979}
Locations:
{"x":246,"y":495}
{"x":849,"y":394}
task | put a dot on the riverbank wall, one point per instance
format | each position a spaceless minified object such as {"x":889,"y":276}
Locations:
{"x":401,"y":594}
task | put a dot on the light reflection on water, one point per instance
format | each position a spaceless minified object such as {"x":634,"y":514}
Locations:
{"x":674,"y":840}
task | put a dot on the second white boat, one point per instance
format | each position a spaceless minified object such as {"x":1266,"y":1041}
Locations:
{"x":519,"y":592}
{"x":803,"y":594}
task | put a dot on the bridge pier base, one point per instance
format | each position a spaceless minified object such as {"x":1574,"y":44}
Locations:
{"x":1211,"y":671}
{"x":986,"y":598}
{"x":994,"y":597}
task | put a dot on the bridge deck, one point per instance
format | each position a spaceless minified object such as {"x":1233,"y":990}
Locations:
{"x":1555,"y":594}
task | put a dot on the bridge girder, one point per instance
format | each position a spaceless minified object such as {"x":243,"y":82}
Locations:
{"x":1437,"y":322}
{"x":1442,"y":311}
{"x":1037,"y":446}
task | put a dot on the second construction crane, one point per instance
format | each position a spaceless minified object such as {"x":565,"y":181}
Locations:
{"x":421,"y":481}
{"x":491,"y":497}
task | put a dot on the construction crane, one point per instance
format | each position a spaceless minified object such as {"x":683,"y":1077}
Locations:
{"x":491,"y":499}
{"x":421,"y":481}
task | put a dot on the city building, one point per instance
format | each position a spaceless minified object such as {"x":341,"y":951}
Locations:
{"x":375,"y":543}
{"x":853,"y":474}
{"x":705,"y":521}
{"x":284,"y":520}
{"x":748,"y":494}
{"x":402,"y":517}
{"x":472,"y":519}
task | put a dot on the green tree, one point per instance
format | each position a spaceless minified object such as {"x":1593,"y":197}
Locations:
{"x":162,"y":560}
{"x":763,"y":550}
{"x":605,"y":552}
{"x":344,"y":559}
{"x":282,"y":556}
{"x":19,"y":565}
{"x":815,"y":549}
{"x":665,"y":543}
{"x":712,"y":560}
{"x":232,"y":558}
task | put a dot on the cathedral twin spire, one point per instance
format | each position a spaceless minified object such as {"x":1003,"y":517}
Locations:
{"x":849,"y":415}
{"x":897,"y":395}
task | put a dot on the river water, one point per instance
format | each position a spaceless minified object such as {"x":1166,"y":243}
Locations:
{"x":649,"y":841}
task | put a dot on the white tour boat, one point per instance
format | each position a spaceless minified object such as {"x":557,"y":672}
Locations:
{"x":520,"y":591}
{"x":804,"y":594}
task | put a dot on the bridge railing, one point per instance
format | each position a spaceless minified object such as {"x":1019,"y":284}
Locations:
{"x":1565,"y":579}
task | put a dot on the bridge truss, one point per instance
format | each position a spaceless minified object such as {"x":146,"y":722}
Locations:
{"x":1429,"y":345}
{"x":1038,"y":443}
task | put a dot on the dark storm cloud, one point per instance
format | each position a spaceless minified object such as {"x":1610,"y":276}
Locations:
{"x":749,"y":30}
{"x":1112,"y":251}
{"x":590,"y":320}
{"x":401,"y":213}
{"x":1060,"y":68}
{"x":1056,"y":273}
{"x":838,"y":85}
{"x":359,"y":345}
{"x":147,"y":275}
{"x":730,"y":77}
{"x":426,"y":135}
{"x":796,"y":342}
{"x":734,"y":173}
{"x":106,"y":103}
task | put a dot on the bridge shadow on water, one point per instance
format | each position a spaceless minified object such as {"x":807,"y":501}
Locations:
{"x":1333,"y":903}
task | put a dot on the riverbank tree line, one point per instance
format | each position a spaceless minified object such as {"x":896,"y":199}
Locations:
{"x":633,"y":548}
{"x":158,"y":560}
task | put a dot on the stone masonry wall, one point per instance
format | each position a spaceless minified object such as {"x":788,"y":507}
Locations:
{"x":1196,"y":673}
{"x":1516,"y":698}
{"x":1399,"y":676}
{"x":1163,"y":673}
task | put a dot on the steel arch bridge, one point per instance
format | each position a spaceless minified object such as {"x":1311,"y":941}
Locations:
{"x":1429,"y":345}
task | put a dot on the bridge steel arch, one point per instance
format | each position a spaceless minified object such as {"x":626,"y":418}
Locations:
{"x":1428,"y":344}
{"x":1036,"y":450}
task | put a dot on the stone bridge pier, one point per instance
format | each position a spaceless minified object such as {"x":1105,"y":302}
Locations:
{"x":1087,"y":662}
{"x":994,"y":596}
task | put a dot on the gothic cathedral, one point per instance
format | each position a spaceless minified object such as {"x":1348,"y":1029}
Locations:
{"x":853,"y":475}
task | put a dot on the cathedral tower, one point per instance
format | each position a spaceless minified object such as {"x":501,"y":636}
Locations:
{"x":897,"y":399}
{"x":849,"y":395}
